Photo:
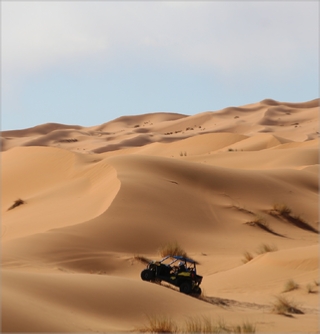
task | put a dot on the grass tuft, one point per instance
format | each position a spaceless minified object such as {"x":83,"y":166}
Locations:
{"x":68,"y":140}
{"x":194,"y":325}
{"x":142,"y":259}
{"x":290,"y":286}
{"x":197,"y":325}
{"x":282,"y":209}
{"x":262,"y":223}
{"x":246,"y":327}
{"x":16,"y":203}
{"x":242,"y":209}
{"x":206,"y":325}
{"x":284,"y":306}
{"x":285,"y":212}
{"x":310,"y":288}
{"x":172,"y":248}
{"x":247,"y":257}
{"x":265,"y":248}
{"x":159,"y":324}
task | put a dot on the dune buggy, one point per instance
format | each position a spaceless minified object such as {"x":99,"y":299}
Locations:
{"x":176,"y":270}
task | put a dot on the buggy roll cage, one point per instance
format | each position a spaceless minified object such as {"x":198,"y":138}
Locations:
{"x":186,"y":260}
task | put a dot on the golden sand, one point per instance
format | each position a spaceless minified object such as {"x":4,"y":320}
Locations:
{"x":93,"y":197}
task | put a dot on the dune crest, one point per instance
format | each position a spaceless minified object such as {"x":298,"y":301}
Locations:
{"x":291,"y":121}
{"x":59,"y":188}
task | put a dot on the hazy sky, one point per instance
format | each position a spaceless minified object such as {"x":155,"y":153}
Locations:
{"x":88,"y":62}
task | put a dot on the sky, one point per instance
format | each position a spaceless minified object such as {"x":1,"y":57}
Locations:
{"x":89,"y":62}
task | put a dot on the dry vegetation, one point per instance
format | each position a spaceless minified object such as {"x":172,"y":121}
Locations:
{"x":281,"y":209}
{"x":247,"y":257}
{"x":263,"y":248}
{"x":284,"y":306}
{"x":284,"y":211}
{"x":68,"y":140}
{"x":311,"y":288}
{"x":16,"y":203}
{"x":242,"y":209}
{"x":142,"y":259}
{"x":157,"y":324}
{"x":172,"y":248}
{"x":290,"y":286}
{"x":194,"y":325}
{"x":258,"y":220}
{"x":262,"y":223}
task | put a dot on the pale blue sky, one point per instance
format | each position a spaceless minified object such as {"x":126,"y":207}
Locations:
{"x":88,"y":62}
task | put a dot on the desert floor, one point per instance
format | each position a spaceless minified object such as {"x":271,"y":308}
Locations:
{"x":79,"y":203}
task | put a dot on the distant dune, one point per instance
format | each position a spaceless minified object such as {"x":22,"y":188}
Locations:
{"x":78,"y":203}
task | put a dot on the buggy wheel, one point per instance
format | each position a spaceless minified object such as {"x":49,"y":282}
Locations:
{"x":186,"y":287}
{"x":147,"y":275}
{"x":197,"y":291}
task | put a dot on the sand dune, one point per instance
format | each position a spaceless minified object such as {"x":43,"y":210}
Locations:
{"x":92,"y":302}
{"x":79,"y":202}
{"x":66,"y":195}
{"x":297,"y":122}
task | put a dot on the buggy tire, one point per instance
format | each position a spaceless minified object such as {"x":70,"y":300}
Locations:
{"x":186,"y":287}
{"x":197,"y":291}
{"x":147,"y":275}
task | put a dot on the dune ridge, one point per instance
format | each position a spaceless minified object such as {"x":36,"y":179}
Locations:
{"x":289,"y":120}
{"x":78,"y":203}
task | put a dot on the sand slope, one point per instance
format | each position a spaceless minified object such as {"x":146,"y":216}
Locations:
{"x":95,"y":197}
